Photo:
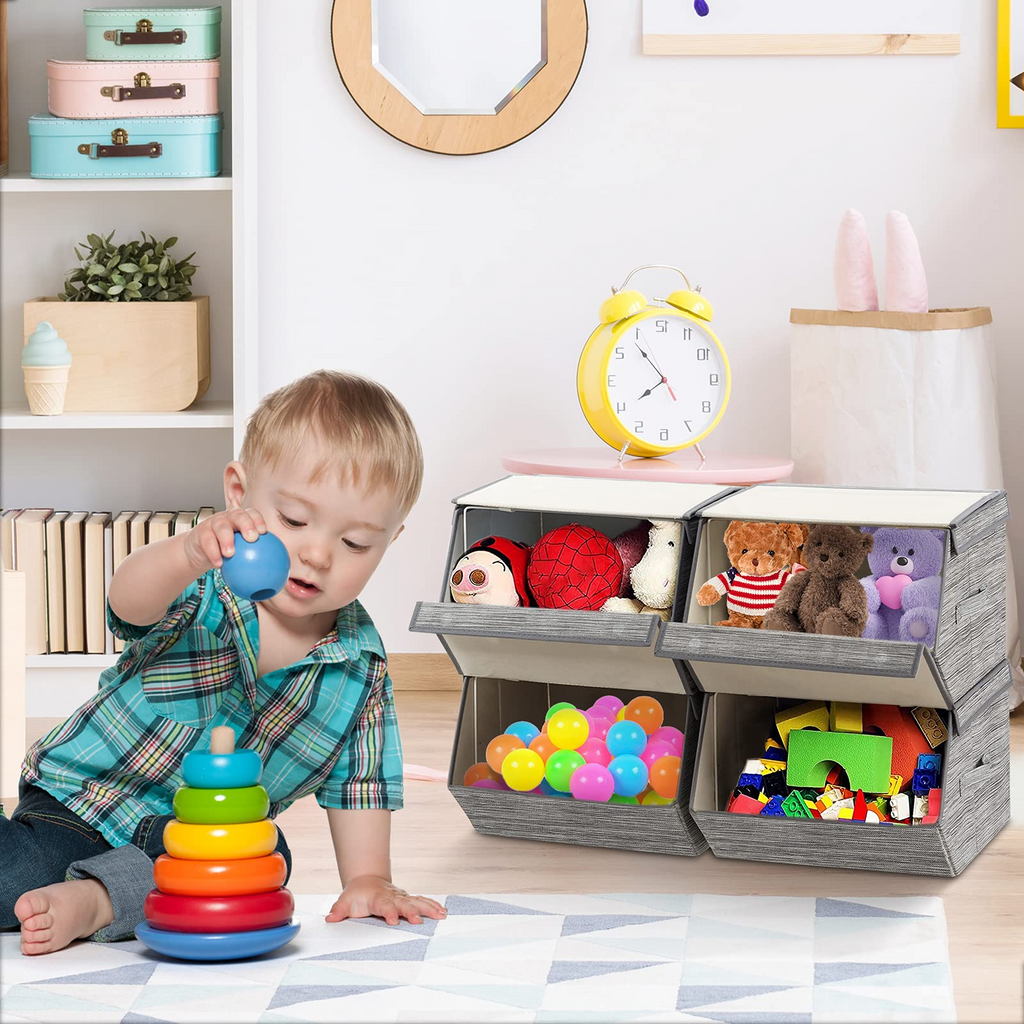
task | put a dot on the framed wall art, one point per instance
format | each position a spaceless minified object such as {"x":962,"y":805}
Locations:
{"x":1010,"y":65}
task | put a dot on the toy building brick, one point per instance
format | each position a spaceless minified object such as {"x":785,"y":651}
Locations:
{"x":517,"y":661}
{"x":959,"y":684}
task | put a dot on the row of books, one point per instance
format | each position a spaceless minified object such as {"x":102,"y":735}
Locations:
{"x":68,"y":559}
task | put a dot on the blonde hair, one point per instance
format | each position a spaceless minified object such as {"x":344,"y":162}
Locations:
{"x":366,"y":433}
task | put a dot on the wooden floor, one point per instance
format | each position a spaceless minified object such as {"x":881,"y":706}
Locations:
{"x":436,"y":851}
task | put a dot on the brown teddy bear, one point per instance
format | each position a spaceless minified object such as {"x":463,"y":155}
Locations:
{"x":828,"y":597}
{"x":758,"y":556}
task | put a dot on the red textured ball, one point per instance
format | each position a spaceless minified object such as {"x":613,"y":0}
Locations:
{"x":574,"y":567}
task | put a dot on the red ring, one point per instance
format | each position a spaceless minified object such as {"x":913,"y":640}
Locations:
{"x":219,"y":913}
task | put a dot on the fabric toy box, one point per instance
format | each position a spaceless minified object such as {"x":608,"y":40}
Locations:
{"x":104,"y":88}
{"x":127,"y":147}
{"x":742,"y":672}
{"x":516,"y":662}
{"x":152,"y":33}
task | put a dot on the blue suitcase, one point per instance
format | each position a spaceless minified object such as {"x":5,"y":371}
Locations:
{"x":152,"y":33}
{"x":127,"y":147}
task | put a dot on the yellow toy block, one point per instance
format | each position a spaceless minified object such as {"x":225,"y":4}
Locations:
{"x":845,"y":717}
{"x":771,"y":766}
{"x":809,"y":715}
{"x":763,"y":797}
{"x":895,"y":784}
{"x":930,"y":724}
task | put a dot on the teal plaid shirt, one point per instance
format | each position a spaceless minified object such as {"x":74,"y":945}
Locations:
{"x":325,"y":725}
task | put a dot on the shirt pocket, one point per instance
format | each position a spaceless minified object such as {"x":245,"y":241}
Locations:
{"x":189,"y":681}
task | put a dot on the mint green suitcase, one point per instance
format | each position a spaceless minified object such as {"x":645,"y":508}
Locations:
{"x":152,"y":33}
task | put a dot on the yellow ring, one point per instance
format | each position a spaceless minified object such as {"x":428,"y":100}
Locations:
{"x":220,"y":842}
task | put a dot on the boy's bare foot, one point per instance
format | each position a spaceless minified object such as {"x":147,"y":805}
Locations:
{"x":55,"y":915}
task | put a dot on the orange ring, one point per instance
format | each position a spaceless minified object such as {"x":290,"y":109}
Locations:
{"x":219,"y":877}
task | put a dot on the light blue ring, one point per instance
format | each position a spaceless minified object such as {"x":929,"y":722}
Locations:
{"x":216,"y":771}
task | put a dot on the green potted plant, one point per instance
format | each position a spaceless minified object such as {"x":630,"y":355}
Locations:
{"x":139,"y":338}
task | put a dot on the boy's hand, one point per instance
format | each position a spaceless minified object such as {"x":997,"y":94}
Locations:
{"x":371,"y":896}
{"x":213,"y":539}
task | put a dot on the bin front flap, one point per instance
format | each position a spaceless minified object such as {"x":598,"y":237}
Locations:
{"x":588,"y":496}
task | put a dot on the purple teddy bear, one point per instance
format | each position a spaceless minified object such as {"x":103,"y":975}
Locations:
{"x":904,"y":588}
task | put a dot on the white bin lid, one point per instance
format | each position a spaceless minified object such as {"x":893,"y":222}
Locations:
{"x":635,"y":499}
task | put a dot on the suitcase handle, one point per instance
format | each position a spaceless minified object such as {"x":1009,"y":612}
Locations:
{"x":145,"y":36}
{"x":120,"y":93}
{"x":119,"y":147}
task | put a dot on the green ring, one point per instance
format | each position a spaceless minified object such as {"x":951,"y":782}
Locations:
{"x":220,"y":806}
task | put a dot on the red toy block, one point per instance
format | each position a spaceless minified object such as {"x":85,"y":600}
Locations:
{"x":743,"y":804}
{"x":934,"y":800}
{"x":860,"y":807}
{"x":907,"y":740}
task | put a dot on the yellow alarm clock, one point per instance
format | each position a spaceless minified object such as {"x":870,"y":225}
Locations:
{"x":654,"y":379}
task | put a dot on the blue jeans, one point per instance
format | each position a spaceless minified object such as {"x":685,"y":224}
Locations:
{"x":43,"y":842}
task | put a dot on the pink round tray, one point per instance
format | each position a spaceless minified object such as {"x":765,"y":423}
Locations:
{"x":682,"y":467}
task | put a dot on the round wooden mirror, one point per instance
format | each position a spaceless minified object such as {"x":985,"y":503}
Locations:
{"x":459,"y":76}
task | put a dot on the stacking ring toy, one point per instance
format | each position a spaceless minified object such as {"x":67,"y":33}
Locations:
{"x":221,"y":771}
{"x":220,"y":842}
{"x":219,"y":913}
{"x":219,"y":877}
{"x":258,"y":569}
{"x":220,"y":806}
{"x":215,"y":945}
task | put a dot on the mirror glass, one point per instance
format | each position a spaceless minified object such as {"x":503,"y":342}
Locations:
{"x":459,"y":56}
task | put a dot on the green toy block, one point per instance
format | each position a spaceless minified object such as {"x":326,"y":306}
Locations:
{"x":794,"y":806}
{"x":866,"y":759}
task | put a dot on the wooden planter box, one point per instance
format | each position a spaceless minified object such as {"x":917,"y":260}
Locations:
{"x":131,"y":356}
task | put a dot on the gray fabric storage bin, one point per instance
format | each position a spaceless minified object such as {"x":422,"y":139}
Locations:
{"x":741,"y":672}
{"x":516,"y":662}
{"x":975,"y":792}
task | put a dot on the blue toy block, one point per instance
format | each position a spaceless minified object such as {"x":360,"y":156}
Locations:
{"x":933,"y":761}
{"x":749,"y":780}
{"x":773,"y":808}
{"x":924,"y":779}
{"x":774,"y":754}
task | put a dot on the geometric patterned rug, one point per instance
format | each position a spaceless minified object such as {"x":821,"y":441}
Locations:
{"x":612,"y":957}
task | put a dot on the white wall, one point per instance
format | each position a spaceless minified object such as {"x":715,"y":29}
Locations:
{"x":469,"y":284}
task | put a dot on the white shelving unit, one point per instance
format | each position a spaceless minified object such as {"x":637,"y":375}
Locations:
{"x":125,"y":460}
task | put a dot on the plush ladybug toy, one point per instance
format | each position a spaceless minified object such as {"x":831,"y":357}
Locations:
{"x":574,"y":566}
{"x":492,"y":571}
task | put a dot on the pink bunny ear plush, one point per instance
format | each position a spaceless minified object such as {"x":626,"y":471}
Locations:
{"x":906,"y":287}
{"x":855,"y":270}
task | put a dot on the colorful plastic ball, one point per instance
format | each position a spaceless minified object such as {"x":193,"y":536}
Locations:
{"x":480,"y":770}
{"x":656,"y":800}
{"x":646,"y":712}
{"x":592,"y":782}
{"x":629,"y":774}
{"x":594,"y":751}
{"x":526,"y":731}
{"x":559,"y":768}
{"x":258,"y":569}
{"x":625,"y":738}
{"x":672,"y":736}
{"x":542,"y":745}
{"x":522,"y":769}
{"x":610,"y":701}
{"x":616,"y":799}
{"x":601,"y":711}
{"x":599,"y":728}
{"x":499,"y":748}
{"x":563,"y":705}
{"x":548,"y":790}
{"x":665,"y":776}
{"x":654,"y":750}
{"x":568,"y":729}
{"x":620,"y":714}
{"x":488,"y":784}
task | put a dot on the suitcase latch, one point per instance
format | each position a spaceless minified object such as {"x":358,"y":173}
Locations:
{"x":144,"y":35}
{"x":119,"y":147}
{"x":144,"y":90}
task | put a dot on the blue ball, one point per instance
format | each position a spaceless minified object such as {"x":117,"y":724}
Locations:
{"x":548,"y":790}
{"x":258,"y":569}
{"x":629,"y":774}
{"x":526,"y":731}
{"x":626,"y":738}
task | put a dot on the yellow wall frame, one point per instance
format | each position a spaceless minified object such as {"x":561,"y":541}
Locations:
{"x":1004,"y":119}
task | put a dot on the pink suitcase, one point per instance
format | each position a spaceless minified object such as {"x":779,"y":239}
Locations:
{"x":117,"y":88}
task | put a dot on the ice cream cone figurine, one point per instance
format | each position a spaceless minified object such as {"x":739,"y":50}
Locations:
{"x":46,"y":364}
{"x":220,"y":887}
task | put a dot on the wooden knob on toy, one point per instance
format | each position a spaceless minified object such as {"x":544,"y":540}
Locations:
{"x":222,"y":740}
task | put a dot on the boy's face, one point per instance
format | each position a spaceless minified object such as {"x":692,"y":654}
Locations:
{"x":336,"y":533}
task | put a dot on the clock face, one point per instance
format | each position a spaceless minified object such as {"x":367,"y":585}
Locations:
{"x":666,"y":380}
